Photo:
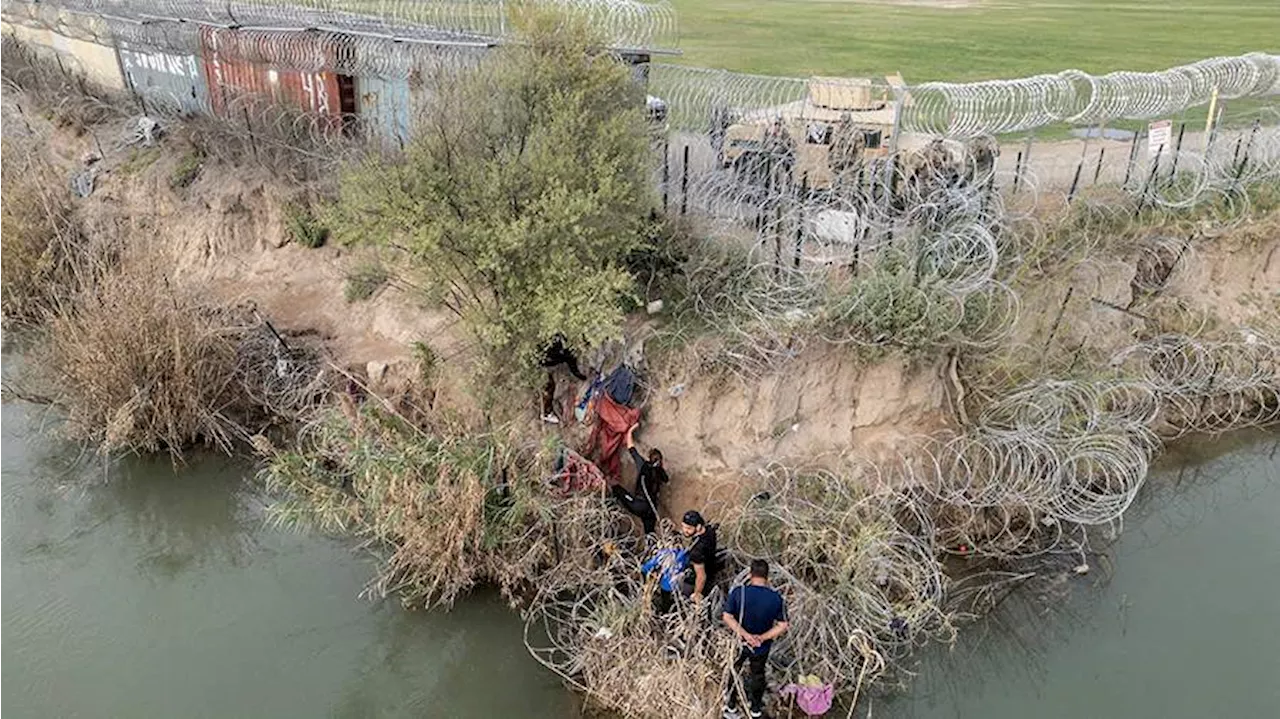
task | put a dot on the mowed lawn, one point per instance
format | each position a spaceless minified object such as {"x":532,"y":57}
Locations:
{"x":970,"y":40}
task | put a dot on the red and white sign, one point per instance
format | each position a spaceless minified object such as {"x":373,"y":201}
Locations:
{"x":1159,"y":137}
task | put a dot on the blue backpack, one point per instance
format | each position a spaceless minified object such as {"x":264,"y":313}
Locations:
{"x":621,"y":385}
{"x":672,"y":562}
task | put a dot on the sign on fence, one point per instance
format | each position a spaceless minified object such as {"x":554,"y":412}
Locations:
{"x":1159,"y":135}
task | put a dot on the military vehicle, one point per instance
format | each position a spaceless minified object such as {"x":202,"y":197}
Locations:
{"x":840,"y":126}
{"x":838,"y":135}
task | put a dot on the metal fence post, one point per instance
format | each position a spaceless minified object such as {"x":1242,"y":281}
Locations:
{"x":684,"y":183}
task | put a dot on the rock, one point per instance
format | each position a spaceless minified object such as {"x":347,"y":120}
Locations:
{"x":654,"y":307}
{"x":376,"y":370}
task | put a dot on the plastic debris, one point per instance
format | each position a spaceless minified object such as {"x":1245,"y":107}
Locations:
{"x":83,"y":182}
{"x":144,"y":131}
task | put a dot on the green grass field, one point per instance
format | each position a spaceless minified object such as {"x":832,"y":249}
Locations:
{"x":995,"y":39}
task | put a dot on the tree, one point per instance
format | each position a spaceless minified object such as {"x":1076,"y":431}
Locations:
{"x":522,"y":192}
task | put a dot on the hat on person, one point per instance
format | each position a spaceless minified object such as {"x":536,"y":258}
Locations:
{"x":693,"y":518}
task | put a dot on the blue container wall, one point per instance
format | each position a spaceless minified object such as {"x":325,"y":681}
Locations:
{"x":388,"y":108}
{"x":169,"y":80}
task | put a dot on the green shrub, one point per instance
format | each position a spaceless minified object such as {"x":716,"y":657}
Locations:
{"x":303,"y":227}
{"x":522,"y":204}
{"x":187,"y":170}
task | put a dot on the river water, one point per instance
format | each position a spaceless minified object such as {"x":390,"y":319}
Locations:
{"x":141,"y":592}
{"x":1186,"y":626}
{"x":145,"y":593}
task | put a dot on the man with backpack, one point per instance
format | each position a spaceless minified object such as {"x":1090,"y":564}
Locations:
{"x":757,"y":614}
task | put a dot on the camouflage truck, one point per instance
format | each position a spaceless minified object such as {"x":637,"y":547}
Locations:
{"x":843,"y":129}
{"x":842,"y":125}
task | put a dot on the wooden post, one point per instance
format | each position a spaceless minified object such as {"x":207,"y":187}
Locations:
{"x":1208,"y":120}
{"x":1098,"y":169}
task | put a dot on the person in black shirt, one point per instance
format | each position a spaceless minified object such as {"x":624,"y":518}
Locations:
{"x":650,"y":476}
{"x":702,"y":554}
{"x":554,"y":355}
{"x":757,"y":614}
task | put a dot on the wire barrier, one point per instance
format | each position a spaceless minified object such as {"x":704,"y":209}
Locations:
{"x":627,"y":24}
{"x":698,"y":97}
{"x":859,"y":552}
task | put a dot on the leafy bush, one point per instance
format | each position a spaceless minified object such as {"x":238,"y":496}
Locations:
{"x":522,"y":202}
{"x":303,"y":227}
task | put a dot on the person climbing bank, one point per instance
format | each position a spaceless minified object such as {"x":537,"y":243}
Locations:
{"x":758,"y":615}
{"x":553,"y":356}
{"x":650,"y":476}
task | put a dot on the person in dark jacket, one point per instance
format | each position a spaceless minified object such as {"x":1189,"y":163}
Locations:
{"x":650,"y":476}
{"x":703,"y":554}
{"x":553,"y":356}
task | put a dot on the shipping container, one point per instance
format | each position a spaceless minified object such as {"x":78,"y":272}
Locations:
{"x":257,"y":65}
{"x":390,"y":104}
{"x":171,"y":81}
{"x":387,"y":108}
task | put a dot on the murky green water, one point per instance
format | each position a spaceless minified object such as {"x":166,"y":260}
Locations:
{"x":155,"y":595}
{"x":1187,"y":625}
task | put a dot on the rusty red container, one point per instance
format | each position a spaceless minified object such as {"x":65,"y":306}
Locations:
{"x":291,"y":69}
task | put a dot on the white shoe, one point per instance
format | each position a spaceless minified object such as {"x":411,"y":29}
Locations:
{"x":551,"y":419}
{"x":730,"y":713}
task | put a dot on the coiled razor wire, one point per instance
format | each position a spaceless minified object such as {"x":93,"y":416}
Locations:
{"x":698,"y":96}
{"x":627,"y":24}
{"x":858,"y":551}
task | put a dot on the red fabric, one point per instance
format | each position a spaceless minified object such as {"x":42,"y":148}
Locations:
{"x":607,"y":435}
{"x":577,"y":475}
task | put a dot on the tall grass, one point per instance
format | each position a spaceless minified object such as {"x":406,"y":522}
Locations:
{"x":449,"y":506}
{"x":142,"y":362}
{"x":38,"y":236}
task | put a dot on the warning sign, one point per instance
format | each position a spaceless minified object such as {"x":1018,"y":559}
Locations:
{"x":1159,"y":137}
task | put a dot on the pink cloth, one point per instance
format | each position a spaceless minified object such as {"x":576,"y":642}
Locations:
{"x":813,"y":701}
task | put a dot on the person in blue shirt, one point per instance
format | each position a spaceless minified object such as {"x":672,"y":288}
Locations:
{"x":757,"y":614}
